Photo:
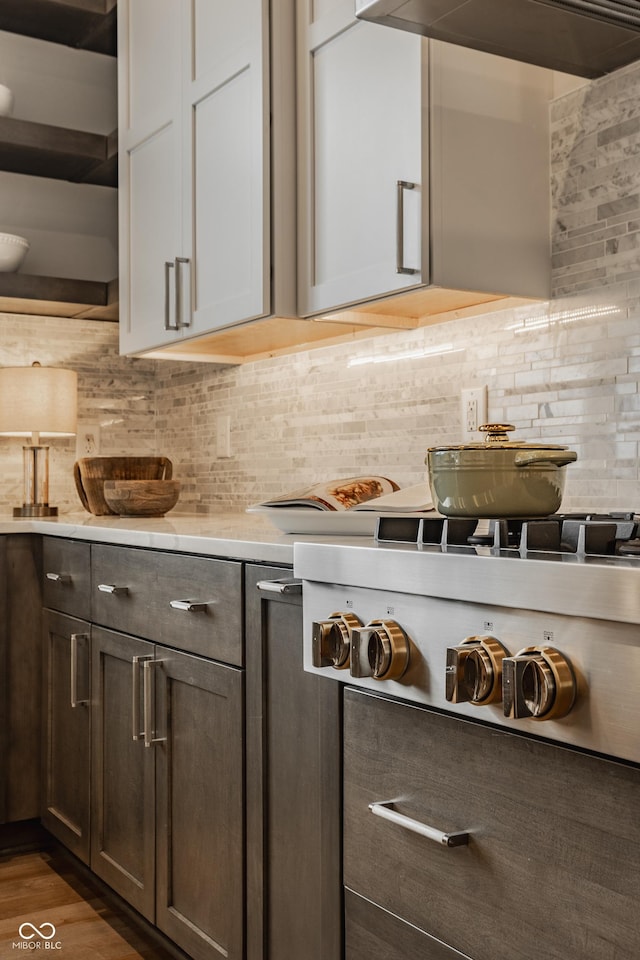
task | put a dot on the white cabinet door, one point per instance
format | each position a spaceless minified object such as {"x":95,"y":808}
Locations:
{"x":227,"y":184}
{"x":195,"y":198}
{"x":149,"y":68}
{"x":360,"y":132}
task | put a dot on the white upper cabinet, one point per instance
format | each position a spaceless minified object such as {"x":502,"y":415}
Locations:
{"x":226,"y":198}
{"x":417,"y":182}
{"x":421,"y":165}
{"x":360,"y":132}
{"x":150,"y":167}
{"x":194,"y":185}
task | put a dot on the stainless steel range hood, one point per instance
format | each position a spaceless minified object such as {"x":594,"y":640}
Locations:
{"x":584,"y":37}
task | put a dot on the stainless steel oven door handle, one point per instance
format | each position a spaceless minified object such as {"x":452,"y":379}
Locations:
{"x":384,"y":809}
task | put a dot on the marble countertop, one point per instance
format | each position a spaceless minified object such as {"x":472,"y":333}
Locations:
{"x":238,"y":536}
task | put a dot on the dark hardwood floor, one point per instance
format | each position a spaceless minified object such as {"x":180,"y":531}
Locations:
{"x":43,"y":890}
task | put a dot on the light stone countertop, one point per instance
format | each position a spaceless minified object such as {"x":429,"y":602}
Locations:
{"x":239,"y":536}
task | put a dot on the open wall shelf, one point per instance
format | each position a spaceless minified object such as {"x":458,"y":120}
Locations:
{"x":58,"y":297}
{"x":85,"y":24}
{"x":57,"y":153}
{"x":40,"y":150}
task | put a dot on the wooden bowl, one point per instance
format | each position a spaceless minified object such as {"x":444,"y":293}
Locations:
{"x":141,"y":498}
{"x":90,"y":474}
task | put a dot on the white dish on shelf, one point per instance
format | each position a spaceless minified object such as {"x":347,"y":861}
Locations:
{"x":13,"y":250}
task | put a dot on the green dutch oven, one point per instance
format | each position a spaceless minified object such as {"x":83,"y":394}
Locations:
{"x":498,"y":478}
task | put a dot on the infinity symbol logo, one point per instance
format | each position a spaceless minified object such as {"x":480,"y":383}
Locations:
{"x":39,"y":931}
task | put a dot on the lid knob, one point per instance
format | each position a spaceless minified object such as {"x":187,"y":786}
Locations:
{"x":496,"y":432}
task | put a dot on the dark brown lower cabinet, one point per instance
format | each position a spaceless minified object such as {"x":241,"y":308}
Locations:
{"x":552,"y":867}
{"x":214,"y":810}
{"x":123,"y":774}
{"x":374,"y":934}
{"x":293,"y":784}
{"x":168,"y":828}
{"x":199,"y":804}
{"x":67,"y":731}
{"x":20,"y":670}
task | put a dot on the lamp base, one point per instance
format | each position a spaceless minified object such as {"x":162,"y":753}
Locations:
{"x":35,"y":510}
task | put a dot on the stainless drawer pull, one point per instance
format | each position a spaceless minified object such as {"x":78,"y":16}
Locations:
{"x":60,"y":578}
{"x":75,"y":701}
{"x":111,"y":588}
{"x":193,"y":606}
{"x":385,"y":810}
{"x":286,"y":585}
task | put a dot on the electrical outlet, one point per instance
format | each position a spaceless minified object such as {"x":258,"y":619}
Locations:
{"x":473,"y":411}
{"x":88,"y":440}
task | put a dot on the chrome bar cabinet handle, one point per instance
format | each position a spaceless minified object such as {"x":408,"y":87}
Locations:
{"x":75,"y":700}
{"x":192,"y":606}
{"x":384,"y":809}
{"x":62,"y":579}
{"x":180,"y":322}
{"x":289,"y":586}
{"x":112,"y":588}
{"x":148,"y":691}
{"x":401,"y":186}
{"x":136,"y":732}
{"x":168,"y":267}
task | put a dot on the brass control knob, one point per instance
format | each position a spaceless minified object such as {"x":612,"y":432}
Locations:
{"x":380,"y":650}
{"x":474,"y":671}
{"x":331,"y":640}
{"x":538,"y":683}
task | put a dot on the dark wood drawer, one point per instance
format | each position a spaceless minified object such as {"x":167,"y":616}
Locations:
{"x":374,"y":934}
{"x":145,"y":583}
{"x":65,"y":568}
{"x":552,"y":868}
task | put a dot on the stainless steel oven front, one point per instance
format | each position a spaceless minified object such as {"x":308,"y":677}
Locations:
{"x":491,"y":747}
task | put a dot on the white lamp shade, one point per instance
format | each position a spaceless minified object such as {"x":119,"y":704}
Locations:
{"x":38,"y":400}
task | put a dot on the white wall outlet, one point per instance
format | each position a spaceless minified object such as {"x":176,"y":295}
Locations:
{"x":223,"y":435}
{"x":88,"y":440}
{"x":473,"y":411}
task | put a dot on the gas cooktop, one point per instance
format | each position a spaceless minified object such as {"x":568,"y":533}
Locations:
{"x":579,"y":534}
{"x":543,"y":612}
{"x":577,"y":564}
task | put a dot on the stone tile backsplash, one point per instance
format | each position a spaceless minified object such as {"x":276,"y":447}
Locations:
{"x":566,"y":371}
{"x":113,"y":391}
{"x":563,"y":372}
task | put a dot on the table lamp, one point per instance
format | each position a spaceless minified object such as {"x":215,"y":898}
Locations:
{"x":37,"y":401}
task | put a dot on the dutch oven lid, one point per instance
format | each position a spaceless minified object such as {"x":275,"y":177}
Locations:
{"x":497,"y":438}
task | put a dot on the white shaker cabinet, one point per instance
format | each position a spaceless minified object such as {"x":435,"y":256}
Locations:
{"x":422,"y":166}
{"x":360,"y":90}
{"x":194,"y":175}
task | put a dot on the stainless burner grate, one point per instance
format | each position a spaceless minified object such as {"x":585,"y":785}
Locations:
{"x":580,"y":534}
